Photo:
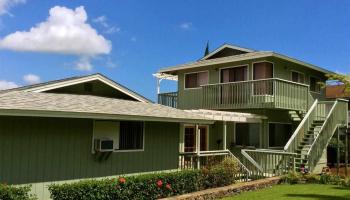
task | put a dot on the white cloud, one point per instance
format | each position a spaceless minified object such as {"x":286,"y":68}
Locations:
{"x":5,"y":5}
{"x":84,"y":64}
{"x":7,"y":85}
{"x":133,"y":39}
{"x":31,"y":79}
{"x":186,"y":25}
{"x":65,"y":31}
{"x":109,"y":29}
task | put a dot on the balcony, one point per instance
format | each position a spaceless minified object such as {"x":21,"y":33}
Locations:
{"x":168,"y":99}
{"x":256,"y":94}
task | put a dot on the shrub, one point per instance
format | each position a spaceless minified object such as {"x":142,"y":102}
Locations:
{"x":330,"y":179}
{"x":312,"y":178}
{"x":346,"y":182}
{"x":291,"y":177}
{"x":220,"y":174}
{"x":148,"y":186}
{"x":9,"y":192}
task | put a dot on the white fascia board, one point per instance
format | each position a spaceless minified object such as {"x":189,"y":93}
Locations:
{"x":87,"y":79}
{"x":101,"y":116}
{"x":226,"y":46}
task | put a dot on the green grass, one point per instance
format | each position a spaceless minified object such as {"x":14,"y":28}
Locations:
{"x":299,"y":191}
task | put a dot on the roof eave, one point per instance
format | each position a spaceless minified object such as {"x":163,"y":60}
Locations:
{"x":100,"y":116}
{"x":203,"y":63}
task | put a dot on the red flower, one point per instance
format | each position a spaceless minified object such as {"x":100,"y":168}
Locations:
{"x":160,"y":183}
{"x":168,"y":186}
{"x":122,"y":180}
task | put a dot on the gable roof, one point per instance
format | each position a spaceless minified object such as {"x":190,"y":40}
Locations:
{"x":20,"y":103}
{"x":240,"y":57}
{"x":229,"y":46}
{"x":50,"y":85}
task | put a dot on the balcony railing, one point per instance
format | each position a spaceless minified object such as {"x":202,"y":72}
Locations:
{"x":168,"y":99}
{"x":265,"y":93}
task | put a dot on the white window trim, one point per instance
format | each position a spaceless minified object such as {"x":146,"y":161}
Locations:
{"x":194,"y":88}
{"x":116,"y":150}
{"x":194,"y":126}
{"x":320,"y":80}
{"x":243,"y":65}
{"x":291,"y":76}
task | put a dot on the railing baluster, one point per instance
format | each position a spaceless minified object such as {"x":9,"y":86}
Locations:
{"x":265,"y":93}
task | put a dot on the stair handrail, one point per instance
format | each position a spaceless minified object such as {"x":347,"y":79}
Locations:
{"x":333,"y":121}
{"x":251,"y":160}
{"x":322,"y":127}
{"x":302,"y":123}
{"x":324,"y":124}
{"x":239,"y":162}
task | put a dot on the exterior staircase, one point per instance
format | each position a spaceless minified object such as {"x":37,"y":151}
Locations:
{"x":307,"y":146}
{"x":296,"y":116}
{"x":301,"y":160}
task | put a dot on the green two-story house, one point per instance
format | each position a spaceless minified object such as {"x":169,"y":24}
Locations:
{"x":296,"y":122}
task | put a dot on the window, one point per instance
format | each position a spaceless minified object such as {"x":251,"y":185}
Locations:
{"x":298,"y":77}
{"x":314,"y":84}
{"x":190,"y":138}
{"x":279,"y":134}
{"x":234,"y":74}
{"x":263,"y":70}
{"x":195,"y":80}
{"x":126,"y":135}
{"x":247,"y":134}
{"x":131,"y":135}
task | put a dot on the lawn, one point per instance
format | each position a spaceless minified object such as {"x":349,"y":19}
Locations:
{"x":299,"y":191}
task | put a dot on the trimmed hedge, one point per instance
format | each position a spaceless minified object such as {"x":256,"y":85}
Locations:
{"x":148,"y":186}
{"x":329,"y":179}
{"x":9,"y":192}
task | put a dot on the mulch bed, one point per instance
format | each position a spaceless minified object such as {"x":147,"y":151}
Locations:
{"x":333,"y":170}
{"x":230,"y":190}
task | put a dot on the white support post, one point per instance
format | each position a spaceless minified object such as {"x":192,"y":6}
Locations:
{"x":198,"y":145}
{"x":158,"y":85}
{"x":224,"y":135}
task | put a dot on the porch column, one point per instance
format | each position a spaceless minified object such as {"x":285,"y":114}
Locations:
{"x":338,"y":150}
{"x":158,"y":85}
{"x":198,"y":145}
{"x":346,"y":153}
{"x":224,"y":135}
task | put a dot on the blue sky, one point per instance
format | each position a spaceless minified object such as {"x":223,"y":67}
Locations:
{"x":132,"y":39}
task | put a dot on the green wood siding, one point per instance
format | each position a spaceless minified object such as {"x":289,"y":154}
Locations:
{"x":52,"y":149}
{"x":191,"y":98}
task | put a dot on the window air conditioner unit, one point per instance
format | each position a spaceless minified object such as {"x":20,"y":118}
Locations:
{"x":103,"y":145}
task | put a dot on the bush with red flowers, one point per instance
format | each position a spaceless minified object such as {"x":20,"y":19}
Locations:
{"x":148,"y":186}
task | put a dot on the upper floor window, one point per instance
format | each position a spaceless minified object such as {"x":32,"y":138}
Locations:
{"x":298,"y":77}
{"x":314,"y":84}
{"x":262,"y":70}
{"x":234,"y":74}
{"x":195,"y":80}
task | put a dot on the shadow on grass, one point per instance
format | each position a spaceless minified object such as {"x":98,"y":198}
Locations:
{"x":341,"y":188}
{"x":319,"y":196}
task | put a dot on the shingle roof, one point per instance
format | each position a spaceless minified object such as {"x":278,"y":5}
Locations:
{"x":239,"y":57}
{"x":90,"y":77}
{"x":85,"y":106}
